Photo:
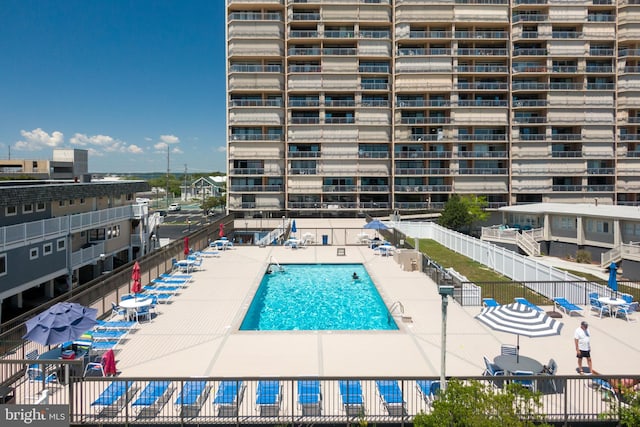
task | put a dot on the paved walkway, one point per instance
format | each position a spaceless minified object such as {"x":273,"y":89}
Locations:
{"x":197,"y":334}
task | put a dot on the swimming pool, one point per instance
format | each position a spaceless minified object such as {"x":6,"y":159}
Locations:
{"x":316,"y":297}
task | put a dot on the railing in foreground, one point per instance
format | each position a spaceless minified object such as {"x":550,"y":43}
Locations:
{"x":191,"y":400}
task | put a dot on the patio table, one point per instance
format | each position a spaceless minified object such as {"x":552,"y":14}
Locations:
{"x":612,"y":303}
{"x":510,"y":363}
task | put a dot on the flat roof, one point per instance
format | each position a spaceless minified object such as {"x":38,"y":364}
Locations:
{"x":577,"y":209}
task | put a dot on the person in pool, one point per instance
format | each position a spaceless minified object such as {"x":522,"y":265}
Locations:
{"x":354,"y":276}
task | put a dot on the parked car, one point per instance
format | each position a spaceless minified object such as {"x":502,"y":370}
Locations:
{"x":173,"y":207}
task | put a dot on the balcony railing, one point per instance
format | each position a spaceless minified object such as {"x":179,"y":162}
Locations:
{"x":374,"y":188}
{"x":567,"y":188}
{"x":566,"y":154}
{"x":257,"y":137}
{"x":247,"y":171}
{"x":423,"y":171}
{"x":482,"y":154}
{"x":256,"y":188}
{"x":422,"y":188}
{"x":339,"y":188}
{"x":483,"y":137}
{"x":87,"y":255}
{"x":566,"y":137}
{"x":423,"y":154}
{"x":483,"y":171}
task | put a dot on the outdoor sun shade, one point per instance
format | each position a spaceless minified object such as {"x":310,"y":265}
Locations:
{"x":136,"y":287}
{"x":519,"y":319}
{"x":376,"y":225}
{"x":613,"y":279}
{"x":62,"y":322}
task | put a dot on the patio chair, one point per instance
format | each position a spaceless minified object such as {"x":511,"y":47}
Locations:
{"x":626,"y":310}
{"x":112,"y":399}
{"x":269,"y":398}
{"x":627,"y":297}
{"x":490,"y":302}
{"x":228,"y":398}
{"x":605,"y":387}
{"x":391,"y":397}
{"x":126,"y":297}
{"x":428,"y":390}
{"x":143,"y":312}
{"x":599,"y":308}
{"x":192,"y":397}
{"x":310,"y":397}
{"x":95,"y":368}
{"x":352,"y":399}
{"x":35,"y":374}
{"x":152,"y":398}
{"x":568,"y":307}
{"x":117,"y":311}
{"x":594,"y":295}
{"x":492,"y":370}
{"x":551,"y":369}
{"x":508,"y":349}
{"x":526,"y":383}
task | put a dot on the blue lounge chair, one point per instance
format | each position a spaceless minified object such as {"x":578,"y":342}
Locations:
{"x":170,"y":282}
{"x":114,"y":398}
{"x":565,"y":305}
{"x":192,"y":397}
{"x":162,"y":289}
{"x":428,"y":389}
{"x":111,"y":324}
{"x":101,"y":346}
{"x":176,"y":276}
{"x":391,"y":397}
{"x":228,"y":398}
{"x":352,"y":400}
{"x":490,"y":302}
{"x":268,"y":398}
{"x":526,"y":302}
{"x":599,"y":307}
{"x":310,"y":397}
{"x":152,"y":398}
{"x":109,"y":334}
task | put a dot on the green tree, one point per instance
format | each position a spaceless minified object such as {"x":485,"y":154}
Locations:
{"x":479,"y":404}
{"x":213,"y":202}
{"x":461,"y":212}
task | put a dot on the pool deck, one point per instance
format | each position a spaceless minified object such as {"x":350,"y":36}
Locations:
{"x":197,"y":333}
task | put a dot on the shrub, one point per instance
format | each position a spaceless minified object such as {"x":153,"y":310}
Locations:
{"x":583,"y":257}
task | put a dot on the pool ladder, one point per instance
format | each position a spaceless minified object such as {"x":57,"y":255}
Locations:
{"x":275,"y":261}
{"x":396,"y":306}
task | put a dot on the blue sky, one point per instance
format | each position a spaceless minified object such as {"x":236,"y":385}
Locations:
{"x":123,"y":79}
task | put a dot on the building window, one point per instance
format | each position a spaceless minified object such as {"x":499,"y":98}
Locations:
{"x":3,"y":264}
{"x":10,"y":211}
{"x":61,"y":245}
{"x":33,"y":253}
{"x":130,"y":196}
{"x":97,"y":234}
{"x":47,"y":249}
{"x":27,"y":208}
{"x":82,"y":200}
{"x":40,"y":206}
{"x":61,"y":203}
{"x":72,"y":202}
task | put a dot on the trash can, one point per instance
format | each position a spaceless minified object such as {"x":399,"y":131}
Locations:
{"x":325,"y":239}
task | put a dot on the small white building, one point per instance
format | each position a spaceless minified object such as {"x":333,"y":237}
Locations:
{"x":204,"y":187}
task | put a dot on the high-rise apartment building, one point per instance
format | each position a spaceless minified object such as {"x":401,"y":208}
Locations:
{"x":344,"y":106}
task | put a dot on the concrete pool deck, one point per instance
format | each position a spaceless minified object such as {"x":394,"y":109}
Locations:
{"x":197,"y":333}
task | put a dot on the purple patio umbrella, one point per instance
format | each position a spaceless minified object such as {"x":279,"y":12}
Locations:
{"x":62,"y":322}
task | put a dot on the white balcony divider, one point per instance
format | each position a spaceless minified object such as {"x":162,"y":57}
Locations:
{"x":86,"y":255}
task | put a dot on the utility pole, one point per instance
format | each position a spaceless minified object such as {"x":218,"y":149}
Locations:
{"x":184,"y":191}
{"x":167,"y":191}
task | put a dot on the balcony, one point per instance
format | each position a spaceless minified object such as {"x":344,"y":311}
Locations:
{"x":300,"y":34}
{"x":482,"y":69}
{"x":304,"y":154}
{"x":526,"y":17}
{"x":374,"y":86}
{"x":304,"y":102}
{"x":303,"y":171}
{"x":601,"y":52}
{"x":630,"y":137}
{"x":566,"y":154}
{"x":601,"y":171}
{"x":373,"y":154}
{"x":530,"y":52}
{"x":530,"y":103}
{"x":339,"y":120}
{"x":567,"y":34}
{"x":566,"y":137}
{"x":567,"y":188}
{"x":367,"y":34}
{"x":256,"y":103}
{"x":482,"y":86}
{"x":416,"y":34}
{"x":532,"y":137}
{"x":304,"y":51}
{"x":537,"y":86}
{"x":483,"y":171}
{"x":257,"y":137}
{"x":423,"y":154}
{"x":247,"y":171}
{"x":305,"y":120}
{"x":306,"y":16}
{"x":482,"y":154}
{"x":87,"y":255}
{"x":600,"y":188}
{"x":255,"y":68}
{"x":423,"y":171}
{"x":482,"y":137}
{"x":374,"y":188}
{"x":565,"y":86}
{"x":481,"y":52}
{"x":339,"y":188}
{"x":349,"y":51}
{"x":481,"y":35}
{"x":256,"y":188}
{"x":424,"y":120}
{"x":422,"y":188}
{"x":331,"y":34}
{"x":530,"y":119}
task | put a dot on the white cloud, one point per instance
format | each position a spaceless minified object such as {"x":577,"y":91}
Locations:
{"x":95,"y":153}
{"x":177,"y":151}
{"x":160,"y":146}
{"x":221,"y":149}
{"x":38,"y":139}
{"x":169,"y":139}
{"x":134,"y":149}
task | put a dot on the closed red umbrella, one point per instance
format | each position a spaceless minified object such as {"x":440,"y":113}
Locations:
{"x":221,"y":230}
{"x":136,"y":287}
{"x":109,"y":363}
{"x":186,"y":247}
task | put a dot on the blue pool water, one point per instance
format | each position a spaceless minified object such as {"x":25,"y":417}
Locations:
{"x":317,"y":297}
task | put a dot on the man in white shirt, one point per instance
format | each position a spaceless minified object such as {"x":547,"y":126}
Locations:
{"x":582,"y":340}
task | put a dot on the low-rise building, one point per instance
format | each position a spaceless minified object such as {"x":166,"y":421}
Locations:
{"x":67,"y":233}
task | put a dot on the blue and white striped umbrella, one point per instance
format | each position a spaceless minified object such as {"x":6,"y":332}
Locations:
{"x":519,"y":319}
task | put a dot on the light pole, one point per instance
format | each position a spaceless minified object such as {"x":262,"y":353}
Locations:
{"x":283,"y":218}
{"x":444,"y":291}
